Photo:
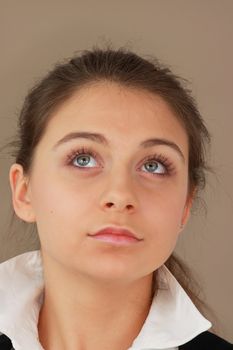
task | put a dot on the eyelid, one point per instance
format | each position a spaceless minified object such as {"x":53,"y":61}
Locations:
{"x":79,"y":151}
{"x":162,"y":159}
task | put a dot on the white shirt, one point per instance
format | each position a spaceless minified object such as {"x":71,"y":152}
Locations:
{"x":172,"y":320}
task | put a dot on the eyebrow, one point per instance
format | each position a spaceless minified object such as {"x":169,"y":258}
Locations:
{"x":101,"y":139}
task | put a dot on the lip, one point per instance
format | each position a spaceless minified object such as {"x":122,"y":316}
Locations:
{"x":116,"y":234}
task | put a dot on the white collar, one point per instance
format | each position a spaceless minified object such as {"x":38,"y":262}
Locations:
{"x":173,"y":319}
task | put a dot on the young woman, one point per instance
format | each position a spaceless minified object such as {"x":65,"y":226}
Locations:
{"x":110,"y":157}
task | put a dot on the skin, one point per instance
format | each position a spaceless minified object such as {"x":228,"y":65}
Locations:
{"x":93,"y":287}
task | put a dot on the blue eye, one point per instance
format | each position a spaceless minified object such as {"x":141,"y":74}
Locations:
{"x":82,"y":160}
{"x":81,"y":157}
{"x":157,"y":165}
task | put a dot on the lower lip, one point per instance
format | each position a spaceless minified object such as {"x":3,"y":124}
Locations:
{"x":116,"y":239}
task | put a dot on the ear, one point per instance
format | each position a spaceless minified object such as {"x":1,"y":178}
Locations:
{"x":21,"y":193}
{"x":187,"y":208}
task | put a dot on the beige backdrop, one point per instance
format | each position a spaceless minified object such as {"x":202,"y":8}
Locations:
{"x":195,"y":38}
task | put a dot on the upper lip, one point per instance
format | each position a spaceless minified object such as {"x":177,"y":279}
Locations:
{"x":116,"y":230}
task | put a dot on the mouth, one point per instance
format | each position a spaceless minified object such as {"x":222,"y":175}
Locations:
{"x":115,"y":235}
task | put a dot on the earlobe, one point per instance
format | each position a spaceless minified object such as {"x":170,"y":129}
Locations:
{"x":21,"y":193}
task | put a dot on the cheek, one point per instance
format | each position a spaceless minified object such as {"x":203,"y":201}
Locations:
{"x":165,"y":205}
{"x":162,"y":225}
{"x":54,"y":191}
{"x":60,"y":208}
{"x":163,"y":214}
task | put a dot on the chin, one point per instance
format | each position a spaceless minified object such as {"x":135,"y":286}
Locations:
{"x":109,"y":274}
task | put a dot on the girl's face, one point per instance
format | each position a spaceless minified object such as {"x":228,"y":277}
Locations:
{"x":147,"y":184}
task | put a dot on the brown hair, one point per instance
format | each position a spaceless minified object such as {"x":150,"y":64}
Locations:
{"x":130,"y":70}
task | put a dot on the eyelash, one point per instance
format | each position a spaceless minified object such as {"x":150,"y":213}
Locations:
{"x":158,"y":158}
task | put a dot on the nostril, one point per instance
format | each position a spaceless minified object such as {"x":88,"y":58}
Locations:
{"x":109,"y":205}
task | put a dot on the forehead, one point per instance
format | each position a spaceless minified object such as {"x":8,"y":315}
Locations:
{"x":121,"y":113}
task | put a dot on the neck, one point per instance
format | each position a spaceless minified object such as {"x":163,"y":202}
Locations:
{"x":79,"y":312}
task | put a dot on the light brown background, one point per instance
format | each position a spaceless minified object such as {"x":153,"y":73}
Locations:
{"x":195,"y":38}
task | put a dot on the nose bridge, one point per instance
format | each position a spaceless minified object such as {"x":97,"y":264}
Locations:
{"x":120,"y":174}
{"x":119,"y":181}
{"x":119,"y":189}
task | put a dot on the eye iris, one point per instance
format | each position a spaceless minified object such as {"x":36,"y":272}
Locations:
{"x":85,"y":158}
{"x":153,"y":167}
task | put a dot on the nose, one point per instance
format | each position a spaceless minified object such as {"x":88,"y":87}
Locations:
{"x":119,"y":196}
